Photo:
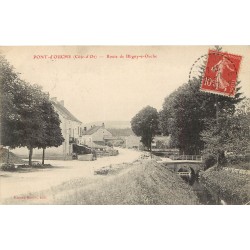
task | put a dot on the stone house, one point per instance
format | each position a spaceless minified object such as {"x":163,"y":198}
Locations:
{"x":96,"y":135}
{"x":71,"y":130}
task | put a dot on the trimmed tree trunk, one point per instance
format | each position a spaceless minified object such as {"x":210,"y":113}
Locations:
{"x":8,"y":155}
{"x":150,"y":148}
{"x":221,"y":159}
{"x":43,"y":156}
{"x":30,"y":155}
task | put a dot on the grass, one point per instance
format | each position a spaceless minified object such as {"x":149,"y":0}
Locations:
{"x":239,"y":165}
{"x":233,"y":186}
{"x":12,"y":157}
{"x":142,"y":183}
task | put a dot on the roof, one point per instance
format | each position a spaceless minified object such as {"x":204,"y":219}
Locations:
{"x":65,"y":113}
{"x":92,"y":130}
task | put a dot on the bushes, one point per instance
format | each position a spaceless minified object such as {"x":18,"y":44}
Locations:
{"x":238,"y":159}
{"x":15,"y":167}
{"x":241,"y":162}
{"x":209,"y":160}
{"x":8,"y":167}
{"x":40,"y":165}
{"x":239,"y":165}
{"x":233,"y":186}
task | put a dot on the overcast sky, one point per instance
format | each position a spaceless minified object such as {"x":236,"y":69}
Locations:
{"x":104,"y":88}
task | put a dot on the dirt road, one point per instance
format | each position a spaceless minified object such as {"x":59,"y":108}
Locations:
{"x":14,"y":184}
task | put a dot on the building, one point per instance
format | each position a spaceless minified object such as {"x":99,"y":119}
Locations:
{"x":96,"y":135}
{"x":71,"y":129}
{"x":133,"y":141}
{"x":160,"y":142}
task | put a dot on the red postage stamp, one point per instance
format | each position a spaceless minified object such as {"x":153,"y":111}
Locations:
{"x":221,"y":73}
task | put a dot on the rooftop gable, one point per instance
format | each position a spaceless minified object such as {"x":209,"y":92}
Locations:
{"x":65,"y":113}
{"x":92,"y":130}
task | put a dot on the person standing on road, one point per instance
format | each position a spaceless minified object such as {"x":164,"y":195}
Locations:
{"x":94,"y":154}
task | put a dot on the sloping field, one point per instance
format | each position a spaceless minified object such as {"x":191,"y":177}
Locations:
{"x":232,"y":185}
{"x":12,"y":157}
{"x":142,"y":182}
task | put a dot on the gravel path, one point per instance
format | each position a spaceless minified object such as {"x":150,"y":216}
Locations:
{"x":14,"y":184}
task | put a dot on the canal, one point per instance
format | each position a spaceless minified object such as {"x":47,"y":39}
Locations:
{"x":206,"y":194}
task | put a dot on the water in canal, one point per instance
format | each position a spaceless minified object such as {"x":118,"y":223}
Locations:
{"x":205,"y":194}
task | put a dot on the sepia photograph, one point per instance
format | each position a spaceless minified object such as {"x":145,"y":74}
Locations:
{"x":125,"y":125}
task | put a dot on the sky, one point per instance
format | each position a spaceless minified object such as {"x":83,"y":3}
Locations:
{"x":103,"y":83}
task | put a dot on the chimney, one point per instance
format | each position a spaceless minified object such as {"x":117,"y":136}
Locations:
{"x":103,"y":125}
{"x":54,"y":99}
{"x":62,"y":102}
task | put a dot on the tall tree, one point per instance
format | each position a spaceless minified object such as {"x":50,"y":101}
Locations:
{"x":145,"y":124}
{"x":186,"y":112}
{"x":32,"y":119}
{"x":229,"y":132}
{"x":27,"y":118}
{"x":52,"y":134}
{"x":12,"y":92}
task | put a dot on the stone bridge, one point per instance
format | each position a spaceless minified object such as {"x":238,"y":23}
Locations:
{"x":184,"y":165}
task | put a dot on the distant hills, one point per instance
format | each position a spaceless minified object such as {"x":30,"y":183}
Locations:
{"x":110,"y":124}
{"x":120,"y":131}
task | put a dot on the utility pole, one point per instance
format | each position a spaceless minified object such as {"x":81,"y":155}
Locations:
{"x":151,"y":135}
{"x":217,"y":110}
{"x":217,"y":123}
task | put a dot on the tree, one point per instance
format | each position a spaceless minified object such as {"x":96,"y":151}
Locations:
{"x":12,"y":92}
{"x":27,"y":117}
{"x":230,"y":132}
{"x":145,"y":124}
{"x":52,"y":136}
{"x":186,"y":111}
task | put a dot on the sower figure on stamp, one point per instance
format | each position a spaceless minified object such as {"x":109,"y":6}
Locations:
{"x":220,"y":82}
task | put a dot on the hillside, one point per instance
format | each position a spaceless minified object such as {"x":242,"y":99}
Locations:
{"x":139,"y":183}
{"x":12,"y":157}
{"x":121,"y":131}
{"x":110,"y":124}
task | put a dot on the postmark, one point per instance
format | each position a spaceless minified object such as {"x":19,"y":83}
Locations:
{"x":221,"y":72}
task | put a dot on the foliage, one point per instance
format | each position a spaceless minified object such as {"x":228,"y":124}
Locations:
{"x":9,"y":156}
{"x":42,"y":166}
{"x":51,"y":133}
{"x":243,"y":165}
{"x":188,"y":111}
{"x":228,"y":133}
{"x":26,"y":114}
{"x":8,"y":167}
{"x":232,"y":186}
{"x":145,"y":124}
{"x":12,"y":90}
{"x":209,"y":160}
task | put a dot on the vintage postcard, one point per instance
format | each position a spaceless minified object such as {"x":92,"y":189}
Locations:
{"x":125,"y":125}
